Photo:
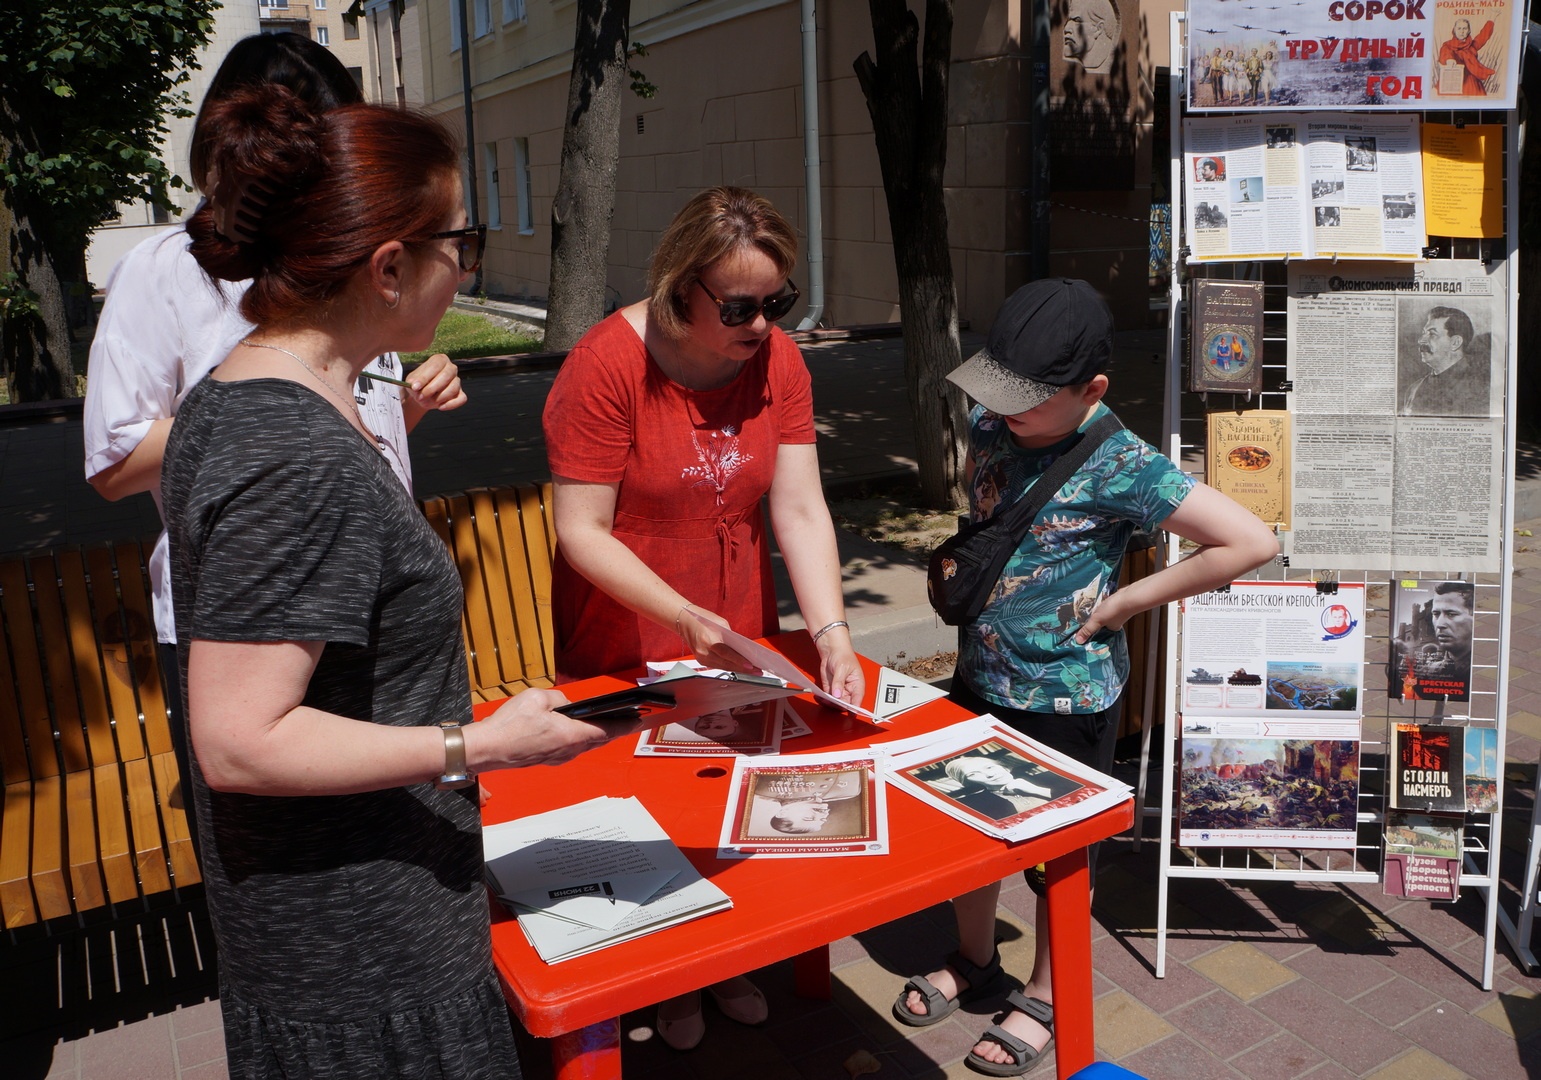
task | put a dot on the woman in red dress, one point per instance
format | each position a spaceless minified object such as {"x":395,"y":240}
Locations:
{"x":668,"y":424}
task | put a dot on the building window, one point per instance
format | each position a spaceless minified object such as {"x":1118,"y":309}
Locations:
{"x":319,"y":5}
{"x":483,"y":17}
{"x":323,"y":36}
{"x":513,"y":10}
{"x":349,"y":28}
{"x":494,"y":203}
{"x":522,"y":185}
{"x":456,"y":32}
{"x":274,"y":3}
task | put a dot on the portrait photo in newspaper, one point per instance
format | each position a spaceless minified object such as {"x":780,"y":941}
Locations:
{"x":1445,"y":361}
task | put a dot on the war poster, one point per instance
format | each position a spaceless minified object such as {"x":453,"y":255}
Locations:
{"x":1354,"y":54}
{"x":1227,"y":337}
{"x":1248,"y":458}
{"x":1286,"y":655}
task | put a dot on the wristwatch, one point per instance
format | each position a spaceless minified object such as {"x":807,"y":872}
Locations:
{"x":455,"y":773}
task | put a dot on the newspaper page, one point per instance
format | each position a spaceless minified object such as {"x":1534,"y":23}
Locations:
{"x":1244,"y":197}
{"x":1366,"y":177}
{"x":1272,"y":695}
{"x":1397,"y":453}
{"x":1400,"y":54}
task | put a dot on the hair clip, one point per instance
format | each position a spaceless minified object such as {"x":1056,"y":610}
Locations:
{"x":238,"y":205}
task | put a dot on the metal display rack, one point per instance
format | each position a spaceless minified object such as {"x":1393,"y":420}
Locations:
{"x":1185,"y":436}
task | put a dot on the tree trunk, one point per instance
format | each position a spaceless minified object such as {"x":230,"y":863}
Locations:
{"x":585,"y":192}
{"x":34,"y":333}
{"x":907,"y":99}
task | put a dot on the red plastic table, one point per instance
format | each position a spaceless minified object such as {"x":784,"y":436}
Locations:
{"x":577,"y":1003}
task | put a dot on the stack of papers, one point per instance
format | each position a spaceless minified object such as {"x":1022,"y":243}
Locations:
{"x":592,"y":875}
{"x":1001,"y":782}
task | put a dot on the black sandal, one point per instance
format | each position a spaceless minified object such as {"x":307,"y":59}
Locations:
{"x":938,"y":1006}
{"x":1024,"y":1057}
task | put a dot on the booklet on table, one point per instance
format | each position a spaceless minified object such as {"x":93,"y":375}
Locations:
{"x":799,"y":805}
{"x":592,"y":875}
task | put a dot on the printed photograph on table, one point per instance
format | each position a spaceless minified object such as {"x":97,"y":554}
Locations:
{"x":805,"y":804}
{"x":998,"y":781}
{"x":994,"y":781}
{"x":748,"y":729}
{"x":1431,"y":641}
{"x":1423,"y":856}
{"x":1261,"y":792}
{"x":1429,"y":767}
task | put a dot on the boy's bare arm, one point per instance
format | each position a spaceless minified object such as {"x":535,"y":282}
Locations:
{"x":1231,"y":541}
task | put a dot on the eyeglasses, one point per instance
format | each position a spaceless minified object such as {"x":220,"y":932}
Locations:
{"x":473,"y":242}
{"x":738,"y":312}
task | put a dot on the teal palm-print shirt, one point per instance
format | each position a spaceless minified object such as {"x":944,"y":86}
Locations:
{"x":1021,"y":653}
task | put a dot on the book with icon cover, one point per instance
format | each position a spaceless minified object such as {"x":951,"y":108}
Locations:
{"x":1227,"y":337}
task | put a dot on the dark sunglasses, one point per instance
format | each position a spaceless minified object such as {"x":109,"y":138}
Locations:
{"x":738,"y":312}
{"x":473,"y":242}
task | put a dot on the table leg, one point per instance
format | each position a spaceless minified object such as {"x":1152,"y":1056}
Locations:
{"x":810,"y":973}
{"x":1070,"y":950}
{"x":590,"y":1053}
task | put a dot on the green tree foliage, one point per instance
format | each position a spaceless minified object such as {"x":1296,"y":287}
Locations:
{"x":87,"y":89}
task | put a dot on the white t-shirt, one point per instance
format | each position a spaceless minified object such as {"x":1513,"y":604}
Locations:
{"x":164,"y":326}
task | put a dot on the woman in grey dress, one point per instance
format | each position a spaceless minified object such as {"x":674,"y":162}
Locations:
{"x":318,"y":617}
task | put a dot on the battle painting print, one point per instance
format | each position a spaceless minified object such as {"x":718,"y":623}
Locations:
{"x":1260,"y":792}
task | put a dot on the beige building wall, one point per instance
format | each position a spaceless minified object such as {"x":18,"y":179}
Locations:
{"x":729,"y":111}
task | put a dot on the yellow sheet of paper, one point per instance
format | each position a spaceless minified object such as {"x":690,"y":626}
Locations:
{"x":1463,"y":179}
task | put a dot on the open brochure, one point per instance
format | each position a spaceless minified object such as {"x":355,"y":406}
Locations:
{"x":771,"y":661}
{"x":1311,"y":185}
{"x":1001,"y":782}
{"x":592,"y":875}
{"x":806,"y":805}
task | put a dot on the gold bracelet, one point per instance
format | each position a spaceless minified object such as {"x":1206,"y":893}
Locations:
{"x":826,"y":629}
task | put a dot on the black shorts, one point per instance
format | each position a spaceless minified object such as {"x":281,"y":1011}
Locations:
{"x":1089,"y":738}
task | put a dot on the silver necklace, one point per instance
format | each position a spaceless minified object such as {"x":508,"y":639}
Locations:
{"x":344,"y":398}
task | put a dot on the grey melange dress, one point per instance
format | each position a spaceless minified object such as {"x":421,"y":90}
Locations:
{"x":352,"y":930}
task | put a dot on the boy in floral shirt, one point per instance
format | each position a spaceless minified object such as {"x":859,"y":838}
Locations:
{"x":1047,"y":653}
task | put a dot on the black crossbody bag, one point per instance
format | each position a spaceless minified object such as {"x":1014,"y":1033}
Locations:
{"x":965,"y":568}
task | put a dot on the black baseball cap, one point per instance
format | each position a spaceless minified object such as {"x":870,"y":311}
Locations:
{"x":1049,"y":334}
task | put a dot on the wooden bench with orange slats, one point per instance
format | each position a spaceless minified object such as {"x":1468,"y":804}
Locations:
{"x":503,"y":540}
{"x":93,"y":809}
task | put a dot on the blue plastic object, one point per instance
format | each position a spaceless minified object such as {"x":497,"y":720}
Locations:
{"x":1104,"y":1070}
